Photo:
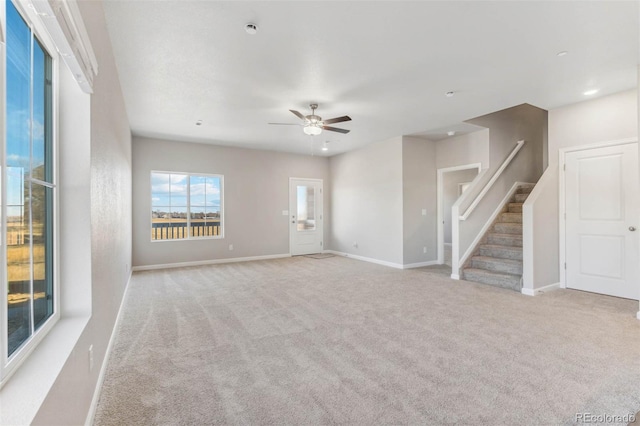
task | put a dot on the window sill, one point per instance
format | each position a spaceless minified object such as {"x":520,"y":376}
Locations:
{"x":24,"y":392}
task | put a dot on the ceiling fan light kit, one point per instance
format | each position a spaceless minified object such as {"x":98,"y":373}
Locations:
{"x":313,"y":125}
{"x":312,"y":130}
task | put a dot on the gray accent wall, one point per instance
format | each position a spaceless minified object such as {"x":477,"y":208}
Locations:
{"x":256,"y":191}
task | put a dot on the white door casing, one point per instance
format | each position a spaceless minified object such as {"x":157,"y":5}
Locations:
{"x":602,"y":210}
{"x":305,"y":216}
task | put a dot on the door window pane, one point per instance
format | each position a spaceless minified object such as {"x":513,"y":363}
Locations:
{"x":306,"y":213}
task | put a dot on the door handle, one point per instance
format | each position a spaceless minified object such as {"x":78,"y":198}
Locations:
{"x":632,"y":228}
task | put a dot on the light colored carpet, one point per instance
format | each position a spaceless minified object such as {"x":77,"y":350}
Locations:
{"x":298,"y":341}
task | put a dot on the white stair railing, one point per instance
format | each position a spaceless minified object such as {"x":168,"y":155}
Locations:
{"x":460,"y":254}
{"x":493,"y":180}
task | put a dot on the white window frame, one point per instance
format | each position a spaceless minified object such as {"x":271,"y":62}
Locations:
{"x":10,"y":364}
{"x":189,"y":237}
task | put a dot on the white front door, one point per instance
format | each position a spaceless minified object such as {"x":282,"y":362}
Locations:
{"x":305,"y":216}
{"x":601,"y":196}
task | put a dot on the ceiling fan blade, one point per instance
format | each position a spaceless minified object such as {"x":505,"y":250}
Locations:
{"x":286,"y":124}
{"x":297,"y":114}
{"x":337,"y":119}
{"x":335,"y":129}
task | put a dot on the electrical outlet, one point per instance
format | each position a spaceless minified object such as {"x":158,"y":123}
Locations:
{"x":355,"y":244}
{"x":424,"y":250}
{"x":230,"y":247}
{"x":91,"y":358}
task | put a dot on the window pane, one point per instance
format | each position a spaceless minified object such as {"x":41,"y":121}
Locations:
{"x":42,"y":156}
{"x":160,"y":189}
{"x":42,"y":240}
{"x":178,"y":191}
{"x":160,"y":220}
{"x":306,"y":208}
{"x":205,"y":206}
{"x":18,"y":90}
{"x":18,"y":259}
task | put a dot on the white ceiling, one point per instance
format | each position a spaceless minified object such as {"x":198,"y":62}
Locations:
{"x":385,"y":64}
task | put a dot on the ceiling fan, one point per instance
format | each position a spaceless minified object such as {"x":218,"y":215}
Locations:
{"x":314,"y":124}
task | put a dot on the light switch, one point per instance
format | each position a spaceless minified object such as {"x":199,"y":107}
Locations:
{"x":424,"y":212}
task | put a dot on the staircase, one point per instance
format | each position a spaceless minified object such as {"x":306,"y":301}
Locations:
{"x":498,"y":258}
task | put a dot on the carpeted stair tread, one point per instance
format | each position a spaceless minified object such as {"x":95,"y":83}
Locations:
{"x":520,"y":198}
{"x":501,"y":251}
{"x":510,"y":266}
{"x":524,"y":189}
{"x":508,"y":217}
{"x":515,"y":207}
{"x":497,"y":238}
{"x":498,"y":279}
{"x":508,"y":228}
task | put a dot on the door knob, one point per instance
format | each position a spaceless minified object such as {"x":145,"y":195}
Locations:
{"x":632,"y":228}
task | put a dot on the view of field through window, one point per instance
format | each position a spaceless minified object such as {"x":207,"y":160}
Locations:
{"x":29,"y":182}
{"x":185,"y":206}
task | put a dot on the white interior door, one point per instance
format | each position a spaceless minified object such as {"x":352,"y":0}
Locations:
{"x":305,"y":216}
{"x":601,"y":196}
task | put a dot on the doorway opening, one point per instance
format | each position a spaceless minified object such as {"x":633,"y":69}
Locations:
{"x":452,"y":182}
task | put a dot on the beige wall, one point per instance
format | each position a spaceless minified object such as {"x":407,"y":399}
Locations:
{"x":67,"y":403}
{"x":366,"y":202}
{"x":465,"y":149}
{"x":608,"y":118}
{"x":419,"y":193}
{"x":256,"y":191}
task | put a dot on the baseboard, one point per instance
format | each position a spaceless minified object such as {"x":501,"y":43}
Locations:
{"x":367,"y":259}
{"x":103,"y":369}
{"x":208,"y":262}
{"x":455,"y":276}
{"x":537,"y":291}
{"x":420,"y":264}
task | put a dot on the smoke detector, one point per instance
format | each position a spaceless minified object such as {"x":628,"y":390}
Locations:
{"x":251,"y":28}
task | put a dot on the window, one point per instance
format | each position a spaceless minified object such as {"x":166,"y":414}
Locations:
{"x":186,"y":206}
{"x":28,"y":190}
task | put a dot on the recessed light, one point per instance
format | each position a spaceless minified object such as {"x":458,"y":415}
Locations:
{"x":449,"y":94}
{"x":251,"y":28}
{"x":590,"y":92}
{"x":451,"y":132}
{"x":199,"y":123}
{"x":563,"y":53}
